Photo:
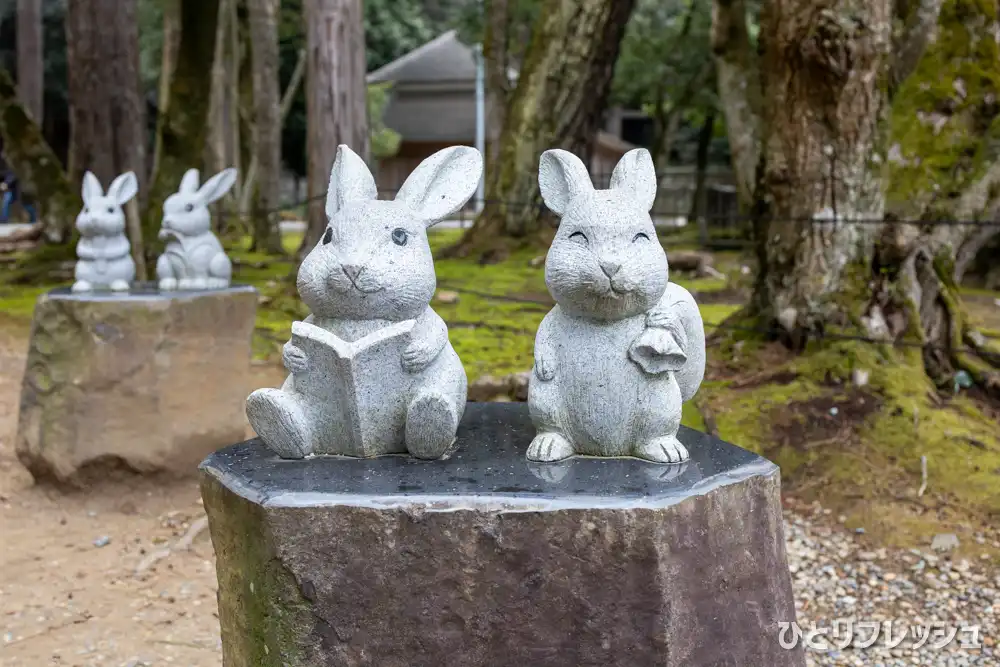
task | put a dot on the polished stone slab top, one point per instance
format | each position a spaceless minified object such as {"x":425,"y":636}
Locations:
{"x":485,"y":470}
{"x":148,"y":291}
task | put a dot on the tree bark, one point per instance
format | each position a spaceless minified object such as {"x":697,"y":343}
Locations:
{"x":107,"y":112}
{"x":561,"y":92}
{"x":697,"y":213}
{"x":36,"y":164}
{"x":30,"y":58}
{"x":266,"y":124}
{"x":182,"y":127}
{"x":336,"y":110}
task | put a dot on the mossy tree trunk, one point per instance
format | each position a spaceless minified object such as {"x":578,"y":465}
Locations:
{"x":838,"y":130}
{"x":30,"y":57}
{"x":561,"y":91}
{"x":336,"y":107}
{"x":182,"y":127}
{"x":37,"y":165}
{"x":107,"y":112}
{"x":266,"y":124}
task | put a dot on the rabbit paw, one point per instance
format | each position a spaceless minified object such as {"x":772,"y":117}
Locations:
{"x":666,"y":449}
{"x":119,"y":286}
{"x":545,"y":370}
{"x":547,"y":447}
{"x":294,"y":358}
{"x":217,"y":283}
{"x":168,"y":284}
{"x":185,"y":283}
{"x":662,"y":318}
{"x":199,"y":283}
{"x":418,"y":356}
{"x":82,"y":286}
{"x":431,"y":422}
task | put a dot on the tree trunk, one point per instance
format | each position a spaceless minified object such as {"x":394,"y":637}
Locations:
{"x":336,"y":110}
{"x":107,"y":112}
{"x":266,"y":124}
{"x":36,"y":165}
{"x":830,"y":74}
{"x":30,"y":59}
{"x":182,"y":127}
{"x":218,"y":125}
{"x":697,"y":213}
{"x":561,"y":91}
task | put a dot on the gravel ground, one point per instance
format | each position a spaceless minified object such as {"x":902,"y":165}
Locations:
{"x":916,"y":594}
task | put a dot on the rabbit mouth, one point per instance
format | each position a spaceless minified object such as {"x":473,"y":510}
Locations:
{"x":364,"y":289}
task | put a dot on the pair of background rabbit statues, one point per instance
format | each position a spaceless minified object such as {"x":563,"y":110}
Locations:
{"x":372,"y":371}
{"x":193,"y":259}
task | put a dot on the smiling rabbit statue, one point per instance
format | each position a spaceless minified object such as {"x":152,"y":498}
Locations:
{"x":372,"y":370}
{"x":103,"y":251}
{"x":194,"y":259}
{"x":623,"y":347}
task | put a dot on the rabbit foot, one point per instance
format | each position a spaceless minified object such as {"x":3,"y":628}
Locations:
{"x":666,"y":449}
{"x":199,"y":284}
{"x":217,"y":283}
{"x":431,"y":422}
{"x":278,"y":419}
{"x":548,"y":447}
{"x":119,"y":286}
{"x":168,"y":284}
{"x":82,"y":286}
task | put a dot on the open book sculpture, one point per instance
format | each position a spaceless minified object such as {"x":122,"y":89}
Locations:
{"x":104,"y":254}
{"x":371,"y":369}
{"x":194,"y":259}
{"x":623,"y":348}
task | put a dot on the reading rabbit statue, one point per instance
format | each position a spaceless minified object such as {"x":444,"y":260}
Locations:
{"x":103,"y":251}
{"x":194,"y":258}
{"x":623,"y":347}
{"x":372,"y":370}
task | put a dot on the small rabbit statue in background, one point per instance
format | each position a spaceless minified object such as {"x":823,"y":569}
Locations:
{"x":372,"y":369}
{"x":623,"y":348}
{"x":194,"y":258}
{"x":103,"y":251}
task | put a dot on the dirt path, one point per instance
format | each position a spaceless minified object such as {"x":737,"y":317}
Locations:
{"x":67,"y":600}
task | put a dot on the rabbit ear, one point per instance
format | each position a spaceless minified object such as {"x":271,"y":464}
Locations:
{"x":124,"y":188}
{"x":443,"y":183}
{"x":635,"y":176}
{"x":91,"y":188}
{"x":189,"y":183}
{"x":350,"y":180}
{"x":561,"y":177}
{"x":217,"y":186}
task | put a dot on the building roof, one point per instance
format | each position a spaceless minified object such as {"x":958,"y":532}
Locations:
{"x":444,"y":58}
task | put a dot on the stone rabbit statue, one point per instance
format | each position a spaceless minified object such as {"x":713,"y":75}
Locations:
{"x":372,"y":370}
{"x":623,"y":347}
{"x":104,"y":254}
{"x":194,"y":258}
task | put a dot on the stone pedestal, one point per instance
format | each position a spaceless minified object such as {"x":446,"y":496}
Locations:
{"x":146,"y":380}
{"x":487,"y":559}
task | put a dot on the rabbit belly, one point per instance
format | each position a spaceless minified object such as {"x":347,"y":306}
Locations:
{"x":599,"y":385}
{"x":122,"y":268}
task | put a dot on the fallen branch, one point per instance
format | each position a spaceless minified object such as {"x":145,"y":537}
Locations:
{"x":183,"y":544}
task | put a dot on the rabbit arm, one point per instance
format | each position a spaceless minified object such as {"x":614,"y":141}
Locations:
{"x":427,"y":339}
{"x":85,"y":249}
{"x":544,"y":353}
{"x":115,"y":247}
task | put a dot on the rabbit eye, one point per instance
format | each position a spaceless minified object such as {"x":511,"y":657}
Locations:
{"x":111,"y":209}
{"x":399,"y":236}
{"x":189,"y":208}
{"x":327,"y":236}
{"x":640,"y":235}
{"x":580,"y":236}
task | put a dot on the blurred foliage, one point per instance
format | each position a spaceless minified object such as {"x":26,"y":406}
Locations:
{"x":385,"y":141}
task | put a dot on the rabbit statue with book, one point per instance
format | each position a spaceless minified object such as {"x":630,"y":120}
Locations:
{"x":104,"y":254}
{"x":623,"y":348}
{"x":371,"y":369}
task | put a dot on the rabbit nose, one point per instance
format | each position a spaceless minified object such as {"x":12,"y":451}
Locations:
{"x":610,"y":268}
{"x":352,"y":270}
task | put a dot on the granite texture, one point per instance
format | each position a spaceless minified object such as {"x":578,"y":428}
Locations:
{"x":194,"y":259}
{"x":371,"y":369}
{"x":485,"y":558}
{"x":141,"y":379}
{"x":103,"y":251}
{"x":624,"y":347}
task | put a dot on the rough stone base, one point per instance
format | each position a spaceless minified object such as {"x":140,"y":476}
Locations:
{"x":148,"y":381}
{"x":487,"y":559}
